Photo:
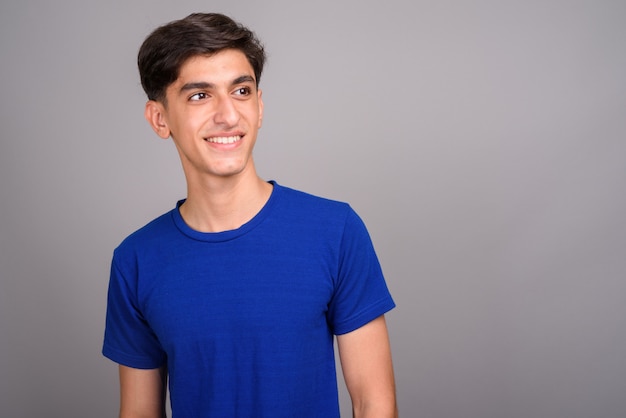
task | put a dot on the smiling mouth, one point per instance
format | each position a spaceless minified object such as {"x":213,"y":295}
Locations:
{"x":223,"y":139}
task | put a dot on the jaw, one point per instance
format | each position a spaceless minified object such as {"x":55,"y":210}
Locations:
{"x":217,"y":161}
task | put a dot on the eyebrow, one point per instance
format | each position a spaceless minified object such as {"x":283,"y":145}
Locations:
{"x":244,"y":79}
{"x":198,"y":85}
{"x":203,"y":85}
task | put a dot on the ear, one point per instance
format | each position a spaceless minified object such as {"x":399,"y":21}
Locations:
{"x":155,"y":115}
{"x":260,"y":100}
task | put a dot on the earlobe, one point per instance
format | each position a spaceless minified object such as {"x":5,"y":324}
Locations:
{"x":154,"y":114}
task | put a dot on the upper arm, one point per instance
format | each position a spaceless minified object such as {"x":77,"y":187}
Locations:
{"x":365,"y":355}
{"x":142,"y":392}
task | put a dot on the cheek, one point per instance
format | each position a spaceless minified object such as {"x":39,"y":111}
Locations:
{"x":257,"y":115}
{"x":187,"y":123}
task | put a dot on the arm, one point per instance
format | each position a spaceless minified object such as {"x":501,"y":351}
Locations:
{"x":365,"y":356}
{"x":142,"y":392}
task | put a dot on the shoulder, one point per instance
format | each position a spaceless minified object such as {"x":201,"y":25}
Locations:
{"x":159,"y":229}
{"x":297,"y":200}
{"x":315,"y":217}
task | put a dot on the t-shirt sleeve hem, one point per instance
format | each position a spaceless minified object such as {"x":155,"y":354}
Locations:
{"x":364,"y":317}
{"x":135,"y":362}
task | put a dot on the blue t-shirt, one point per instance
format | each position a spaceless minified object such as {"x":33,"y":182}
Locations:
{"x":244,"y":319}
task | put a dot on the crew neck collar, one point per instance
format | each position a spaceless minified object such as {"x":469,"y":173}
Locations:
{"x":230,"y":234}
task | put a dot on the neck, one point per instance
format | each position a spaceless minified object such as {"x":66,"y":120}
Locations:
{"x":224,"y":204}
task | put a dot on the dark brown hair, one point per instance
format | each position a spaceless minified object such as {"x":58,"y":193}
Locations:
{"x":166,"y":49}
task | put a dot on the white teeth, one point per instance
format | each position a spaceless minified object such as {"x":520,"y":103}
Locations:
{"x":224,"y":139}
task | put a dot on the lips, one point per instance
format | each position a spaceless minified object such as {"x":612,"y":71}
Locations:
{"x":224,"y":139}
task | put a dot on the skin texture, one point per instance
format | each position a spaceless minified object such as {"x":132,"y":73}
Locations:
{"x":365,"y":355}
{"x":142,"y":393}
{"x":214,"y":96}
{"x":217,"y":97}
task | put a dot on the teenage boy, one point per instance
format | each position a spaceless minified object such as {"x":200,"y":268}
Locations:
{"x":237,"y":293}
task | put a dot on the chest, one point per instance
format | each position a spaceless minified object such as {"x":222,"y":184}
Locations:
{"x":207,"y":292}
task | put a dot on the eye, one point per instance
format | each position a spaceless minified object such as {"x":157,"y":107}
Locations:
{"x":243,"y":91}
{"x":198,"y":96}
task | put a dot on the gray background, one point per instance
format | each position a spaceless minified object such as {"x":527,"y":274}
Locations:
{"x":483,"y":142}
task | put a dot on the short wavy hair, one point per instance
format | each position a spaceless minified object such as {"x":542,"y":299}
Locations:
{"x":168,"y":47}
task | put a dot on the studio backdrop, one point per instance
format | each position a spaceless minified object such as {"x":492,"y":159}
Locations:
{"x":482,"y":142}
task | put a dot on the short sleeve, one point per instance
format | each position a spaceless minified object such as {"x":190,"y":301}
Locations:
{"x":361,"y":294}
{"x":128,"y":338}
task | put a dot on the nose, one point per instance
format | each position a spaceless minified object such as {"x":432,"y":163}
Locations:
{"x":226,"y":112}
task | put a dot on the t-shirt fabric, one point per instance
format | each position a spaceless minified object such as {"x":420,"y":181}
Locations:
{"x":244,"y":319}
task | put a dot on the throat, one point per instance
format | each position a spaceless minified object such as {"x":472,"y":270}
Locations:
{"x":214,"y":211}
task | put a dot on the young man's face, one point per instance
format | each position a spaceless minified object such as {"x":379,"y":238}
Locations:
{"x":213,"y":112}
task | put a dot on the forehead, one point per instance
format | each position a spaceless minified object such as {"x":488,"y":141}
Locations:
{"x":223,"y":66}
